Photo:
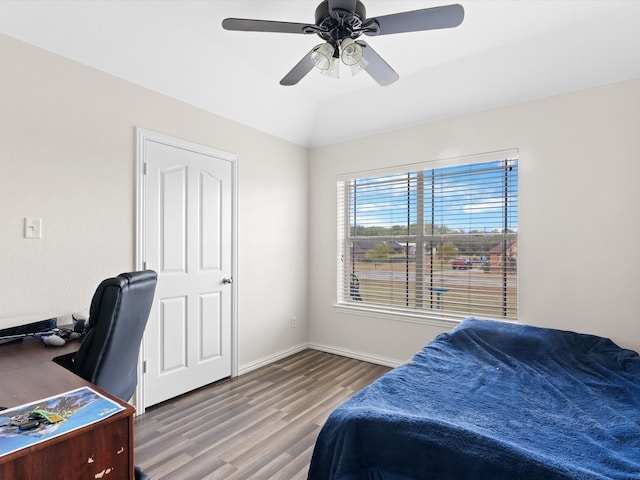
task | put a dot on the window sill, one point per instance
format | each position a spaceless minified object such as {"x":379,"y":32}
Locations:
{"x":423,"y":318}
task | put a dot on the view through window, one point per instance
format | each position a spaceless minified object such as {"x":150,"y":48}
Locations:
{"x":438,"y":241}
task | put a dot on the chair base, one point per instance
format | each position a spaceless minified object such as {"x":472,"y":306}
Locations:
{"x":140,"y":475}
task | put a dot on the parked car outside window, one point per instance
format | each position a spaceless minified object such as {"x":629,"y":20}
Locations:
{"x":461,"y":264}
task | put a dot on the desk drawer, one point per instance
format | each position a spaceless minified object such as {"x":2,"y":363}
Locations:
{"x":98,"y":451}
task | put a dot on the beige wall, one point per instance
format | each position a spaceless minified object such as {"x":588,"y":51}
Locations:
{"x":578,"y":216}
{"x":68,"y":156}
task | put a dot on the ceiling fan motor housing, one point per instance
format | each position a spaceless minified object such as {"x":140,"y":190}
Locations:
{"x":342,"y":23}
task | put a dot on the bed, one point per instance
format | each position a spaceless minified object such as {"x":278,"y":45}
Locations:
{"x":492,"y":400}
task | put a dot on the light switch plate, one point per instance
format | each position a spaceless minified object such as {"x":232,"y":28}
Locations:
{"x":32,"y":227}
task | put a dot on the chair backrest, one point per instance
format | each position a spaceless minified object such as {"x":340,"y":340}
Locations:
{"x":108,"y":356}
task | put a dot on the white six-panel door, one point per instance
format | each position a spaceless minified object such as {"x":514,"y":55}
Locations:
{"x":188,"y":240}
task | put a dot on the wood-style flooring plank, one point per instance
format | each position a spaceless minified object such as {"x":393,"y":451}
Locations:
{"x":261,"y":425}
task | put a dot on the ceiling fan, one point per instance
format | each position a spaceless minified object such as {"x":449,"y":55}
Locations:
{"x":339,"y":23}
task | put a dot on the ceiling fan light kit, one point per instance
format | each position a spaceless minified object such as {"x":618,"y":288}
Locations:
{"x":334,"y":69}
{"x":322,"y":56}
{"x":326,"y":57}
{"x":351,"y":52}
{"x":339,"y":23}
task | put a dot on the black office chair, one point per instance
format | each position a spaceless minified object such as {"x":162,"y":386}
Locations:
{"x":108,"y":355}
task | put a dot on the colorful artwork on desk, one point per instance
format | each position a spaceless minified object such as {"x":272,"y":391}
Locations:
{"x":36,"y":422}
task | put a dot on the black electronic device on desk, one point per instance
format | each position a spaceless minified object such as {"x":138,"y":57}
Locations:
{"x":45,"y":330}
{"x":27,"y":330}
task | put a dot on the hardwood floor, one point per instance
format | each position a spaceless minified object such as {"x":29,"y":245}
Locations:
{"x":261,"y":425}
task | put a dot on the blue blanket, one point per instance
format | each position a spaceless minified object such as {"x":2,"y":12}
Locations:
{"x":492,"y":400}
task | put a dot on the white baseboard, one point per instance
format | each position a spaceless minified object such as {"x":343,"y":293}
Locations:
{"x":263,"y":362}
{"x":365,"y":357}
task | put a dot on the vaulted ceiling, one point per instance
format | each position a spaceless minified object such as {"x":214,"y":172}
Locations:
{"x":504,"y":52}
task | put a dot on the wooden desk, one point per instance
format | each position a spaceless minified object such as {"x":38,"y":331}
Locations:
{"x":103,"y":450}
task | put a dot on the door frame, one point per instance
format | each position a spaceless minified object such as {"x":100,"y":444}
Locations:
{"x":141,"y":136}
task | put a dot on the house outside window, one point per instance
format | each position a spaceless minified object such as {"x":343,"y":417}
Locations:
{"x":435,"y":240}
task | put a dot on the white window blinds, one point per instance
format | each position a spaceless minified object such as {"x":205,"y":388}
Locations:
{"x":436,"y":241}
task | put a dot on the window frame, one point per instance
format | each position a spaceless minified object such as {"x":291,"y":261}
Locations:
{"x":413,"y":314}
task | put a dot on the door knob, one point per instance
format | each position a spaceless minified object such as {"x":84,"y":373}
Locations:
{"x":227,"y":280}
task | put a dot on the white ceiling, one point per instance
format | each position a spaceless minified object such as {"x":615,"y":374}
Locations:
{"x":505,"y":52}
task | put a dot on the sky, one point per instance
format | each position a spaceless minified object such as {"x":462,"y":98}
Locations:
{"x":467,"y":197}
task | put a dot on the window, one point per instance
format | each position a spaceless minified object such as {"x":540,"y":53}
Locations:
{"x":439,"y":240}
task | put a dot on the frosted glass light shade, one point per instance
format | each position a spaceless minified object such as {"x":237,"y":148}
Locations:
{"x":351,"y":52}
{"x":322,"y":55}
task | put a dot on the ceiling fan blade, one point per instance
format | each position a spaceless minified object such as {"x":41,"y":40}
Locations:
{"x":379,"y":70}
{"x":446,"y":16}
{"x":248,"y":25}
{"x":303,"y":67}
{"x":337,"y":6}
